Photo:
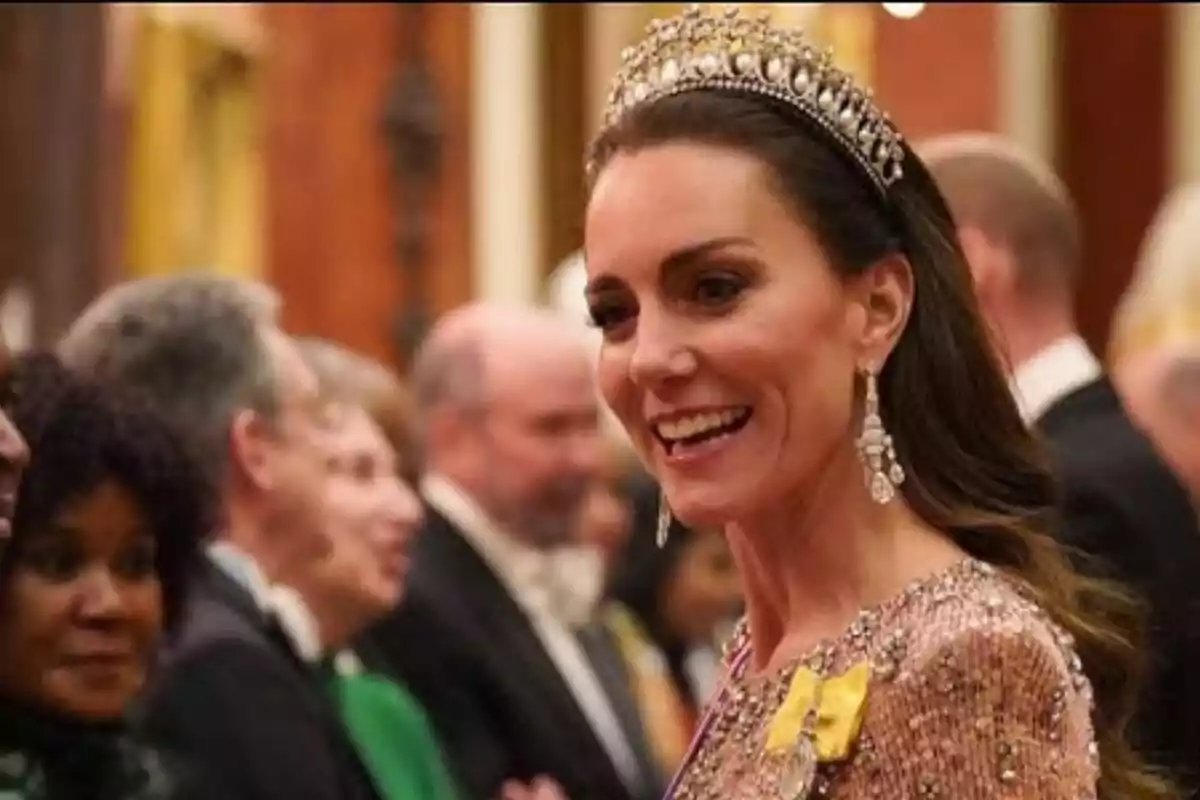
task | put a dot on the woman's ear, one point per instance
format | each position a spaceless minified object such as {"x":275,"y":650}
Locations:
{"x":885,"y":294}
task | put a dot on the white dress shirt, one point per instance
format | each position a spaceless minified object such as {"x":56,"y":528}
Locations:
{"x":533,"y":580}
{"x":282,"y":602}
{"x":1052,"y":374}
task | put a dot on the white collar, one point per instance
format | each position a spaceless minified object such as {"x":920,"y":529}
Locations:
{"x":555,"y":582}
{"x":1051,"y":374}
{"x":239,"y":565}
{"x":282,"y":602}
{"x":297,"y":622}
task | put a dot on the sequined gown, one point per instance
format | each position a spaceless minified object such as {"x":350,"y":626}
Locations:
{"x":974,"y":694}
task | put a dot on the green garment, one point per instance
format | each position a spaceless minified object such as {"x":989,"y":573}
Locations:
{"x":392,"y":737}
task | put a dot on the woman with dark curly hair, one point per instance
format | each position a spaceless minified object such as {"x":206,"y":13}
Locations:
{"x":110,"y":515}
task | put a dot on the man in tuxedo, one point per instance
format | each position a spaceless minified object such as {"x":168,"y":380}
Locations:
{"x":1122,"y":506}
{"x":517,"y":691}
{"x":234,"y":697}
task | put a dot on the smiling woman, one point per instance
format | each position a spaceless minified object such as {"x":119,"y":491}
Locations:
{"x":792,"y":343}
{"x":109,"y":516}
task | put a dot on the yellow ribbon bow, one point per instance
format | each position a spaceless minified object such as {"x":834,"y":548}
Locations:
{"x":840,"y":703}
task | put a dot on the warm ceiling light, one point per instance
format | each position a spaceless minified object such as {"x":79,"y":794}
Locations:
{"x":904,"y":10}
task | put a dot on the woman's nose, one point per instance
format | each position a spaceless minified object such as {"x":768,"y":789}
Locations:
{"x":660,"y":356}
{"x":101,"y":596}
{"x":404,"y":507}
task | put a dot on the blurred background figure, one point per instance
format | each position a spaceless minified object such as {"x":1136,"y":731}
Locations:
{"x":1122,"y":508}
{"x":669,"y":607}
{"x":512,"y":449}
{"x":110,"y":520}
{"x":14,"y":452}
{"x":355,"y":379}
{"x":1175,"y":422}
{"x":372,"y":514}
{"x":1156,"y":335}
{"x":565,"y":294}
{"x":606,"y":520}
{"x":235,"y":691}
{"x":1161,"y":308}
{"x":664,"y":610}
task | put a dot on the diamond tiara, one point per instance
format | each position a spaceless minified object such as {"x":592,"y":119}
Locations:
{"x":696,"y":51}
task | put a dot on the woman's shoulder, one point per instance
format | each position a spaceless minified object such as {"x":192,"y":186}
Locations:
{"x":988,"y":697}
{"x":994,"y":627}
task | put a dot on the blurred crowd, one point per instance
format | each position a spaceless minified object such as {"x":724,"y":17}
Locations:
{"x":242,"y":564}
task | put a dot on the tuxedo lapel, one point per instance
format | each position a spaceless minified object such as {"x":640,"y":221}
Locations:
{"x":222,"y":588}
{"x":450,"y":566}
{"x":495,"y":611}
{"x":606,"y":661}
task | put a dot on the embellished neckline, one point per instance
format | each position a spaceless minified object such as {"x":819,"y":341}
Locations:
{"x":737,"y":650}
{"x":840,"y":720}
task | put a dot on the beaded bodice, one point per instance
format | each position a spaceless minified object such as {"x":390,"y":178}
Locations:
{"x":974,"y":694}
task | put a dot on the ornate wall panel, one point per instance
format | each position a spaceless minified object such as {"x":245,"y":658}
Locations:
{"x":564,"y":116}
{"x":52,"y":205}
{"x":939,"y":72}
{"x":1112,"y":147}
{"x":193,"y":156}
{"x":367,"y":171}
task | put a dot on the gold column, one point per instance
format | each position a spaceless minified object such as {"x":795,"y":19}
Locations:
{"x":506,"y":151}
{"x":158,"y":147}
{"x":1184,"y":108}
{"x":195,"y":185}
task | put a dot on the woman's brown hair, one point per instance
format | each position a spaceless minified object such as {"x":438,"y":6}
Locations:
{"x":974,"y":470}
{"x":349,"y":377}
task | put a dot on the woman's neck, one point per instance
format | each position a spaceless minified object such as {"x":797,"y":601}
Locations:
{"x":32,"y":725}
{"x":810,"y":566}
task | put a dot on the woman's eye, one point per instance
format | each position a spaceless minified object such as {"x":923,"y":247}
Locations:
{"x":715,"y":290}
{"x":607,"y":316}
{"x":55,"y":564}
{"x":137,"y":562}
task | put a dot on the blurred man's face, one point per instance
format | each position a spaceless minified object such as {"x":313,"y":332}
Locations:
{"x":540,"y":446}
{"x":285,"y":457}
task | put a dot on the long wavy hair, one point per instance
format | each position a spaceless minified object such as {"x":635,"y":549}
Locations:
{"x":974,"y":469}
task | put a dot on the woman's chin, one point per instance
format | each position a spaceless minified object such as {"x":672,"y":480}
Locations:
{"x":701,"y":512}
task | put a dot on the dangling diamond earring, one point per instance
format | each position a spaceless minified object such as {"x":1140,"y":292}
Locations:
{"x":875,"y":447}
{"x":664,"y":522}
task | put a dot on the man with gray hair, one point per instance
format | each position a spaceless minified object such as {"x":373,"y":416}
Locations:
{"x":233,"y":695}
{"x":516,"y":685}
{"x":1122,"y":506}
